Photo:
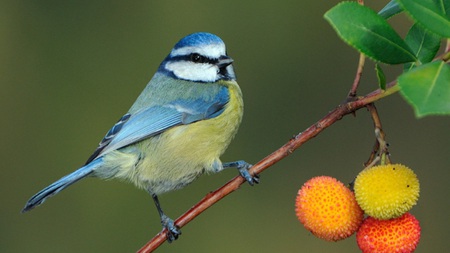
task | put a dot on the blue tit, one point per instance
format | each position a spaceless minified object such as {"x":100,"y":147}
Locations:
{"x":175,"y":131}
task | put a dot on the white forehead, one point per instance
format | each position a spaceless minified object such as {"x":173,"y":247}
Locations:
{"x":212,"y":51}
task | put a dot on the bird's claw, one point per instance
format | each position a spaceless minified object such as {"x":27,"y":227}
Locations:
{"x":251,"y":179}
{"x":172,"y":230}
{"x":243,"y":168}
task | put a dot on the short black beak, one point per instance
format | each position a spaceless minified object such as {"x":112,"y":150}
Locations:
{"x":224,"y":61}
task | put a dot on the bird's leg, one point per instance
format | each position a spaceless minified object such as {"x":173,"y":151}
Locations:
{"x":172,"y":231}
{"x":243,"y":168}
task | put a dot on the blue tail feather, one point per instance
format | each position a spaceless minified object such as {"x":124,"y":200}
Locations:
{"x":61,"y":184}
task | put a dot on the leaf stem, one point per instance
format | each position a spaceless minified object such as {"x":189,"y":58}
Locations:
{"x":381,"y":147}
{"x":359,"y":71}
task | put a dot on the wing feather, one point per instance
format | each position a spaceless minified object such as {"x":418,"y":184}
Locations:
{"x":151,"y":121}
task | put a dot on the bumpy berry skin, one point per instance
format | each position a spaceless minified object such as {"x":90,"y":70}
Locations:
{"x":387,"y":191}
{"x":399,"y":235}
{"x":328,"y":209}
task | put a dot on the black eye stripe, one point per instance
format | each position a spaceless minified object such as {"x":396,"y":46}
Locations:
{"x":194,"y":57}
{"x":197,"y":58}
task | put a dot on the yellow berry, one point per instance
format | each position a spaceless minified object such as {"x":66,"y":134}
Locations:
{"x":328,"y":209}
{"x":386,"y":191}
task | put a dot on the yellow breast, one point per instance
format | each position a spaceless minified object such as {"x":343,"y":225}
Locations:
{"x":179,"y":155}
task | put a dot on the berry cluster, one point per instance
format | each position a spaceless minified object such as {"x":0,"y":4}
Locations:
{"x":385,"y":193}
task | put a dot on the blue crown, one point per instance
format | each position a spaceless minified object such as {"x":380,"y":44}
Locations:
{"x":198,"y":39}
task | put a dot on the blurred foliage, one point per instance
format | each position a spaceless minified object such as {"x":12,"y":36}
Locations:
{"x":69,"y":69}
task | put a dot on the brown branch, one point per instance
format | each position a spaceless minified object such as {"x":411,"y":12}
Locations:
{"x":213,"y":197}
{"x":359,"y":71}
{"x":380,"y":146}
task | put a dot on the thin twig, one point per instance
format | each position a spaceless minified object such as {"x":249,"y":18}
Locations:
{"x":373,"y":154}
{"x":362,"y":59}
{"x":359,"y":71}
{"x":213,"y":197}
{"x":381,"y":146}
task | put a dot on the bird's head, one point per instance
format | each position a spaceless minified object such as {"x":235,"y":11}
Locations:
{"x":199,"y":57}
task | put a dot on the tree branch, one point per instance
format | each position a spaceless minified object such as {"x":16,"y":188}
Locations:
{"x":312,"y":131}
{"x":359,"y":71}
{"x":380,"y":150}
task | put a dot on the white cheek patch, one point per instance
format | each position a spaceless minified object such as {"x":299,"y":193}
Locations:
{"x":212,"y":51}
{"x":203,"y":72}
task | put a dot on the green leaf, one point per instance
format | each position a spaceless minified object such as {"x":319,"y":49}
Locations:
{"x":381,"y":77}
{"x":363,"y":29}
{"x":423,"y":43}
{"x":446,"y":5}
{"x":432,"y":14}
{"x":391,"y":9}
{"x":427,"y":88}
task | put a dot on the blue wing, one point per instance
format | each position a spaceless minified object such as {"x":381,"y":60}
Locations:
{"x":151,"y":121}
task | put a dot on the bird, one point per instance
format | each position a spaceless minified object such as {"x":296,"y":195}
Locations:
{"x":175,"y":131}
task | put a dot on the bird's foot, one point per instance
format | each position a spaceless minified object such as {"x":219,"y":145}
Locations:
{"x":243,"y":168}
{"x":172,"y":230}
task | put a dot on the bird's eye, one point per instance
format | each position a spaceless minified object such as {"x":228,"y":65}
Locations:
{"x":197,"y":58}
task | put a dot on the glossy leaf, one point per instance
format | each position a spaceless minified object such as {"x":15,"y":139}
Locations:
{"x":391,"y":9}
{"x":381,"y":77}
{"x":363,"y":29}
{"x":427,"y":88}
{"x":423,"y":43}
{"x":432,"y":14}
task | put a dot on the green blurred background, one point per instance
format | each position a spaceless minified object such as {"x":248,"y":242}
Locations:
{"x":70,"y":69}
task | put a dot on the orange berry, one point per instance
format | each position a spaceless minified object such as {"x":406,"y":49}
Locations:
{"x":328,"y":209}
{"x":399,"y":235}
